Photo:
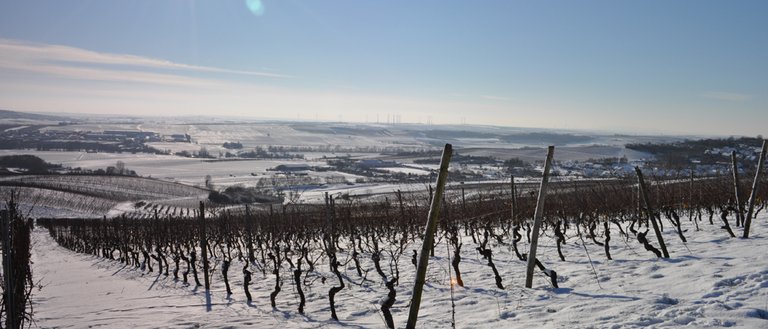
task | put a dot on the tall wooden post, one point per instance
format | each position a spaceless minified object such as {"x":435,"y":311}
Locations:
{"x":204,"y":247}
{"x":10,"y":312}
{"x":514,"y":200}
{"x":650,"y":213}
{"x":690,"y":196}
{"x":329,"y":226}
{"x":537,"y":215}
{"x":737,"y":194}
{"x":640,"y":205}
{"x":429,"y":237}
{"x":753,"y":195}
{"x":249,"y":231}
{"x":400,"y":202}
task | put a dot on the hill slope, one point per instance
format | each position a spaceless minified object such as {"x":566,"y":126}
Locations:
{"x":711,"y":282}
{"x":7,"y":114}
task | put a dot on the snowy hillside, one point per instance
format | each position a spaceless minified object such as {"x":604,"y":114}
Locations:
{"x":712,"y":281}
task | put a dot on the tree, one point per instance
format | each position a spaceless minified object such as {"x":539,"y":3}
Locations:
{"x":120,"y":167}
{"x":208,"y":182}
{"x":204,"y":153}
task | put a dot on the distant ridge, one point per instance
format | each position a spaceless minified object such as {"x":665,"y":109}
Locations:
{"x":7,"y":114}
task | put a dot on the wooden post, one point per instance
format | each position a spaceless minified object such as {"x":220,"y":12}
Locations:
{"x":640,"y":205}
{"x":691,"y":212}
{"x":429,"y":237}
{"x":753,"y":195}
{"x":204,"y":247}
{"x":649,"y":212}
{"x":10,"y":313}
{"x":329,"y":223}
{"x":739,"y":207}
{"x":537,"y":218}
{"x":514,"y":200}
{"x":249,"y":231}
{"x":690,"y":196}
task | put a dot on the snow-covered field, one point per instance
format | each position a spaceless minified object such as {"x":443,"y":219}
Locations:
{"x":246,"y":173}
{"x":711,"y":282}
{"x":189,"y":171}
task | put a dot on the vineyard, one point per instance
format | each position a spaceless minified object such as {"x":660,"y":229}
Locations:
{"x":106,"y":186}
{"x":349,"y":260}
{"x":96,"y":195}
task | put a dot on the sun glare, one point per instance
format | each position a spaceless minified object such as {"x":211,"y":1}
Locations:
{"x":255,"y":6}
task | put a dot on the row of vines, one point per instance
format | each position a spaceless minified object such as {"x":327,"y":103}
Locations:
{"x":110,"y":187}
{"x":346,"y":242}
{"x":16,"y":283}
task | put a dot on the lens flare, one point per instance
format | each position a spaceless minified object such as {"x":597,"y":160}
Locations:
{"x":255,"y":6}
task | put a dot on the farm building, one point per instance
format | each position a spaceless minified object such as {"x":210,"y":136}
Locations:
{"x":292,"y":167}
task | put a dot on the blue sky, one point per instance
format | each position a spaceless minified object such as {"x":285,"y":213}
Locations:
{"x":627,"y":66}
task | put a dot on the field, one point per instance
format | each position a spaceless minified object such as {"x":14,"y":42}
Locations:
{"x":98,"y":195}
{"x":316,"y":143}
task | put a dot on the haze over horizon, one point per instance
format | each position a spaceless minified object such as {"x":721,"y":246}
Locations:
{"x":683,"y":67}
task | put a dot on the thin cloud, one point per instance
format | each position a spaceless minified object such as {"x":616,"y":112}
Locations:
{"x":102,"y":74}
{"x":727,"y":96}
{"x":55,"y":59}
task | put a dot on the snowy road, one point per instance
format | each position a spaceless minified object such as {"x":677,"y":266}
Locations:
{"x":82,"y":291}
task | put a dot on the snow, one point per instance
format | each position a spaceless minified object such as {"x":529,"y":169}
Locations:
{"x":712,"y":282}
{"x":83,"y":291}
{"x":406,"y":170}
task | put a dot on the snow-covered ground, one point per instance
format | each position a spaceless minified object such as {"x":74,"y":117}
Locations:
{"x":712,"y":281}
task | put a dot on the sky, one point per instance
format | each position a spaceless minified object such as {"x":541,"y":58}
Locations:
{"x":675,"y":67}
